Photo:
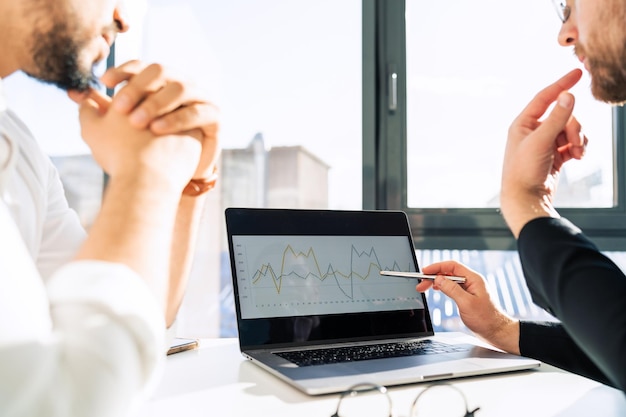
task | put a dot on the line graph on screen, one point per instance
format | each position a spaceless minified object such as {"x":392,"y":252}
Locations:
{"x":289,"y":273}
{"x":301,"y":265}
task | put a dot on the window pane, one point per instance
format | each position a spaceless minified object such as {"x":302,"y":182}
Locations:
{"x":287,"y":78}
{"x":503,"y":272}
{"x":471,"y":68}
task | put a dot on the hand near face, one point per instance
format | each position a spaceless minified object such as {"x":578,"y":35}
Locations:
{"x":153,"y":99}
{"x":123,"y":150}
{"x":536,"y":151}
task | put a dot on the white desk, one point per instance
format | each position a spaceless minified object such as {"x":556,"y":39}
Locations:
{"x":215,"y":380}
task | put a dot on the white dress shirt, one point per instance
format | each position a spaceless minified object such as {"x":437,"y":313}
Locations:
{"x":35,"y":198}
{"x":87,"y":340}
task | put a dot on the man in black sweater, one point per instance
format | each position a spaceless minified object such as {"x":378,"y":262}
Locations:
{"x":566,"y":273}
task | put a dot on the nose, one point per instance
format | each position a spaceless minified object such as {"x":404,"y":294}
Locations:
{"x":121,"y":19}
{"x":568,"y":35}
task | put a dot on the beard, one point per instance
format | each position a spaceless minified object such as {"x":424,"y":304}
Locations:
{"x":605,"y":53}
{"x":56,"y":57}
{"x":608,"y":78}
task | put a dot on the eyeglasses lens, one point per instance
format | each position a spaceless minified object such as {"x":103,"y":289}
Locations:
{"x":365,"y":400}
{"x":562,"y":10}
{"x":429,"y":402}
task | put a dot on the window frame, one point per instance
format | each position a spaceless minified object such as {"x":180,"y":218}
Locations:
{"x":385,"y":148}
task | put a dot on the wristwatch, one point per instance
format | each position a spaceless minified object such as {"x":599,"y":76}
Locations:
{"x":199,"y":186}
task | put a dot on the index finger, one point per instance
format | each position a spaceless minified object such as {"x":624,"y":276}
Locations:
{"x":141,"y":81}
{"x":543,"y":99}
{"x":448,"y":268}
{"x":116,"y":75}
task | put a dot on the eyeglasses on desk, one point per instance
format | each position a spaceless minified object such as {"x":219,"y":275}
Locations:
{"x":372,"y":400}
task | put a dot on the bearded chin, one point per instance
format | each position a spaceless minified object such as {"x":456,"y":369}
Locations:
{"x":608,"y":80}
{"x":56,"y":61}
{"x":77,"y":80}
{"x":612,"y":91}
{"x":66,"y":75}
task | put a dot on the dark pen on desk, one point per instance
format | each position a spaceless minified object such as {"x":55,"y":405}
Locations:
{"x":419,"y":275}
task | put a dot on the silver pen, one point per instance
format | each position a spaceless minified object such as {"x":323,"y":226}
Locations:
{"x":419,"y":275}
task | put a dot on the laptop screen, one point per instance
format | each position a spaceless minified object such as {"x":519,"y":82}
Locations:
{"x":290,"y":276}
{"x":313,"y":276}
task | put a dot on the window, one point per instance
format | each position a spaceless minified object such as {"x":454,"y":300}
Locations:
{"x":460,"y":68}
{"x":374,"y":104}
{"x":287,"y":79}
{"x":447,"y":80}
{"x":450,"y":79}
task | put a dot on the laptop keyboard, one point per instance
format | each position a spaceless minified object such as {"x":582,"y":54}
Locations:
{"x":360,"y":353}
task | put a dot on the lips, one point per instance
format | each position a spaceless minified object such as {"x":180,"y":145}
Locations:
{"x":109,"y":37}
{"x":105,"y":50}
{"x":583,"y":61}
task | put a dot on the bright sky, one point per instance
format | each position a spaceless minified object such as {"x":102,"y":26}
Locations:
{"x":290,"y":70}
{"x":468,"y":82}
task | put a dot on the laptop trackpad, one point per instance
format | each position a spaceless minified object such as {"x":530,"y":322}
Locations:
{"x":418,"y":366}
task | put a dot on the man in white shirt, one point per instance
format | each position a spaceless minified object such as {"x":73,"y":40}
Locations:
{"x":88,"y":339}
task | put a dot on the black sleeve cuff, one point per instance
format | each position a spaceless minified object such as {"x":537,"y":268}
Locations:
{"x":550,"y":343}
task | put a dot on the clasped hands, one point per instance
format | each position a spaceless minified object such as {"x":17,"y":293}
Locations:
{"x":154,"y":122}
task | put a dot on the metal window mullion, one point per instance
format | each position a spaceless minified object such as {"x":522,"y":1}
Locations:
{"x":391,"y":104}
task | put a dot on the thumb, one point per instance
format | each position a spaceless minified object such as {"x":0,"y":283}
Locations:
{"x":554,"y":124}
{"x":89,"y":114}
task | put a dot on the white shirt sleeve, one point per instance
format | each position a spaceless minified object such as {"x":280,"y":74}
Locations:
{"x":90,"y":343}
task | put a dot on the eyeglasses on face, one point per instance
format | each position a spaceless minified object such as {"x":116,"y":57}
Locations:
{"x":373,"y":400}
{"x":562,"y":10}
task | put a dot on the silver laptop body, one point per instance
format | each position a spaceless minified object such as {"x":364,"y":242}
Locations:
{"x":313,"y":310}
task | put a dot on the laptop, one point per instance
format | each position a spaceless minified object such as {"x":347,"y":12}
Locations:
{"x":313,"y":310}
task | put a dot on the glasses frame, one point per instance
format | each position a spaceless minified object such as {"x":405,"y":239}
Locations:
{"x":562,"y":10}
{"x":367,"y":387}
{"x":364,"y":388}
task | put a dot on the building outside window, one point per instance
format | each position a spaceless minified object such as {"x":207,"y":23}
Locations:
{"x":286,"y":77}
